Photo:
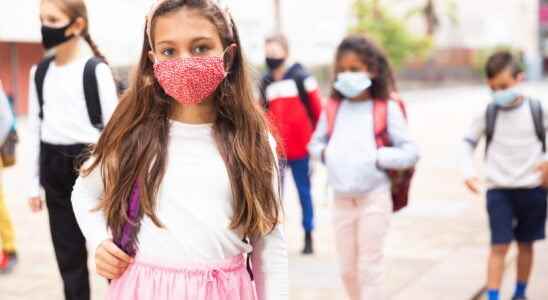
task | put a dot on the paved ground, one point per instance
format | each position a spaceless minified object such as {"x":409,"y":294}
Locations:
{"x":436,"y":248}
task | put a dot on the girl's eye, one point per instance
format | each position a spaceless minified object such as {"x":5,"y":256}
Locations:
{"x":168,"y":52}
{"x":200,"y":49}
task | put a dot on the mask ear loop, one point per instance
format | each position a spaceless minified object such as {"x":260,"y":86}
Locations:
{"x":231,"y":55}
{"x":225,"y":89}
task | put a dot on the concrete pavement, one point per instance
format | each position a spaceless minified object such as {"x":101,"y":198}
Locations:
{"x":436,"y":248}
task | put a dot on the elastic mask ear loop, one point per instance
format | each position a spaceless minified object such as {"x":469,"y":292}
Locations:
{"x":228,"y":65}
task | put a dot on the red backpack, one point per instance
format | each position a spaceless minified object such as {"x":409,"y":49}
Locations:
{"x":400,"y":179}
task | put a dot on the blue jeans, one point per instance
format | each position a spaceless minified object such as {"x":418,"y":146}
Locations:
{"x":301,"y":174}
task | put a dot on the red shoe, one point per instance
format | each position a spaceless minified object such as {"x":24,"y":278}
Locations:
{"x":7,"y":262}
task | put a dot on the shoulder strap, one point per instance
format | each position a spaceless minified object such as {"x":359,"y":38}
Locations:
{"x":331,"y":110}
{"x":265,"y":82}
{"x":303,"y":95}
{"x":127,"y":238}
{"x":380,"y":122}
{"x":490,"y":120}
{"x":91,"y":92}
{"x":248,"y":263}
{"x":401,"y":104}
{"x":538,"y":119}
{"x":39,"y":77}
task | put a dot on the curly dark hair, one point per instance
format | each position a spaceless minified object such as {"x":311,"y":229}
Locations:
{"x":383,"y":83}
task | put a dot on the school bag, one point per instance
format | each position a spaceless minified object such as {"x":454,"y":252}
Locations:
{"x":299,"y":78}
{"x":400,"y":180}
{"x":538,"y":120}
{"x":8,"y":149}
{"x":127,"y":240}
{"x":91,"y":89}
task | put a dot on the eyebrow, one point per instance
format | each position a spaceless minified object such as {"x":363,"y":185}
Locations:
{"x":194,"y":40}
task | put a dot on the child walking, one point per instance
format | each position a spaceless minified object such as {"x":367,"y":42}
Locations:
{"x":514,"y":126}
{"x":183,"y":182}
{"x":291,"y":97}
{"x":8,"y":255}
{"x":72,"y":95}
{"x":356,"y":168}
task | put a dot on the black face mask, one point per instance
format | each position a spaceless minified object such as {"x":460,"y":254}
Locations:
{"x":52,"y":37}
{"x":274,"y":63}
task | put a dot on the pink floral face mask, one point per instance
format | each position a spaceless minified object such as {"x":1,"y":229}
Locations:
{"x":190,"y":80}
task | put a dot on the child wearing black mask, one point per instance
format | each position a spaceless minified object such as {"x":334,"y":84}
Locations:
{"x":292,"y":99}
{"x":71,"y":98}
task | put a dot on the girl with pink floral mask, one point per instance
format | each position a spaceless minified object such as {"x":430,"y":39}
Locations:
{"x":180,"y":198}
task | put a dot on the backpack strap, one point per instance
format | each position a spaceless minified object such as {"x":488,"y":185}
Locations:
{"x":265,"y":82}
{"x":39,"y":77}
{"x":380,"y":122}
{"x":91,"y":92}
{"x":331,"y":110}
{"x":248,"y":260}
{"x":397,"y":98}
{"x":490,"y":120}
{"x":303,"y":95}
{"x":538,"y":120}
{"x":127,"y":240}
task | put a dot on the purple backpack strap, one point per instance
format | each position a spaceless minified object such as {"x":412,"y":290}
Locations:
{"x":128,"y":239}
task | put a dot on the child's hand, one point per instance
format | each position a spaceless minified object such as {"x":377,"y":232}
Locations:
{"x":473,"y":184}
{"x":111,"y":262}
{"x":543,"y":169}
{"x":36,"y":204}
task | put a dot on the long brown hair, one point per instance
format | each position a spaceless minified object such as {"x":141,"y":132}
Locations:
{"x":133,"y":146}
{"x":75,"y":9}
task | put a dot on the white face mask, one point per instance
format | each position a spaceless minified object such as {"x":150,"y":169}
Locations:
{"x":352,"y":84}
{"x":506,"y":97}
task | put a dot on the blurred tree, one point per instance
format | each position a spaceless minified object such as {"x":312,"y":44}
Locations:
{"x":432,"y":20}
{"x":389,"y":32}
{"x":432,"y":13}
{"x":277,"y":16}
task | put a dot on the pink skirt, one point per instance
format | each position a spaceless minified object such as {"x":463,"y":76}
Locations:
{"x":226,"y":281}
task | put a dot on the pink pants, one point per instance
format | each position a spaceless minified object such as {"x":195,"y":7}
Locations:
{"x":226,"y":281}
{"x":361,"y":225}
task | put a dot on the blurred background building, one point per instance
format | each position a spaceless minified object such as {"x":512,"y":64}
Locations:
{"x":460,"y":32}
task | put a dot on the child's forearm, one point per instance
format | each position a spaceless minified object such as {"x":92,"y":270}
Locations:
{"x":467,"y":159}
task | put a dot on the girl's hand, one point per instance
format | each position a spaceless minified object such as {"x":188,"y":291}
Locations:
{"x":36,"y":204}
{"x":111,"y":262}
{"x":473,"y":184}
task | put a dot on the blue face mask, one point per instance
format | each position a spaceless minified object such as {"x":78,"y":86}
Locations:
{"x":352,"y":84}
{"x":505,"y":97}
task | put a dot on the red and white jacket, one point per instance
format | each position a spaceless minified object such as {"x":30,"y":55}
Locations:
{"x":294,"y":106}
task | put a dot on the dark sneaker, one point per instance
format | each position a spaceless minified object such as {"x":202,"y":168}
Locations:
{"x":308,"y":245}
{"x":7,"y":262}
{"x":519,"y":298}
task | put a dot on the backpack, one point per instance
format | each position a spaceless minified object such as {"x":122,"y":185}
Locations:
{"x":400,"y":179}
{"x":299,"y":79}
{"x":538,"y":120}
{"x":91,"y":89}
{"x":127,"y":240}
{"x":7,"y":150}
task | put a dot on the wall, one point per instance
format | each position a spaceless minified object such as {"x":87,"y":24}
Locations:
{"x":17,"y":59}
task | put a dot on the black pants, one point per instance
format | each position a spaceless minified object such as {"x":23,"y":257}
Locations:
{"x":57,"y":175}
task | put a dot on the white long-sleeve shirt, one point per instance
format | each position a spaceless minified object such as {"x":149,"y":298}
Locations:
{"x":194,"y":205}
{"x":514,"y":152}
{"x":6,"y":117}
{"x":65,"y":115}
{"x":351,"y":154}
